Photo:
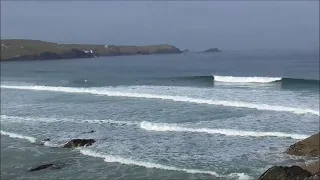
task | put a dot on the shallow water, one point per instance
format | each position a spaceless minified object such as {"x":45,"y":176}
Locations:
{"x":158,"y":116}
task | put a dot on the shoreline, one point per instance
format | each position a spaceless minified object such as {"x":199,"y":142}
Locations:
{"x":32,"y":50}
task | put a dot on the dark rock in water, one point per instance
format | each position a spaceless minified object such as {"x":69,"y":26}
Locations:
{"x":89,"y":132}
{"x":306,"y":147}
{"x":79,"y":143}
{"x":47,"y":139}
{"x":285,"y":173}
{"x":45,"y":166}
{"x":212,"y":50}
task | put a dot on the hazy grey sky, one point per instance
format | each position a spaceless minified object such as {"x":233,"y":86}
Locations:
{"x":193,"y":25}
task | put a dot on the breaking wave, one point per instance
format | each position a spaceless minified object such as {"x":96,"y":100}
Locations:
{"x":129,"y":161}
{"x":114,"y":93}
{"x":19,"y":136}
{"x":232,"y":79}
{"x":228,"y":132}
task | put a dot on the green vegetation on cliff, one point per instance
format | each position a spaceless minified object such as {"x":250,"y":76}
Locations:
{"x":22,"y":49}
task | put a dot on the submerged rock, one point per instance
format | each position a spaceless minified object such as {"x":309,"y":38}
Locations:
{"x":285,"y":173}
{"x":89,"y":132}
{"x":74,"y":143}
{"x":45,"y":166}
{"x":306,"y":147}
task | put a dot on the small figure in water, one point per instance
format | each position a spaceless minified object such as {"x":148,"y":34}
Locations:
{"x":85,"y":80}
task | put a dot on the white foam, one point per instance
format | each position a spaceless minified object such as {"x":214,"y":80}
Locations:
{"x":55,"y":120}
{"x":51,"y":144}
{"x":228,"y":132}
{"x":232,"y":79}
{"x":129,"y":161}
{"x":13,"y":135}
{"x":241,"y":176}
{"x":108,"y":92}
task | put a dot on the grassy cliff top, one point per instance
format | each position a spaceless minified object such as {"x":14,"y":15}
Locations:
{"x":11,"y":48}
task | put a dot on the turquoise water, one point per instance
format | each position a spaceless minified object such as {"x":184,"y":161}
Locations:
{"x":158,"y":116}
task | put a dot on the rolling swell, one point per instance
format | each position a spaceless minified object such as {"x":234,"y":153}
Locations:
{"x":300,"y":81}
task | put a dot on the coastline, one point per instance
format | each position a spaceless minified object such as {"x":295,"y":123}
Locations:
{"x":23,"y":50}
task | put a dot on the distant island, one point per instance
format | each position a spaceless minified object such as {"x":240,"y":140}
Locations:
{"x":23,"y":49}
{"x":211,"y":50}
{"x":186,"y":51}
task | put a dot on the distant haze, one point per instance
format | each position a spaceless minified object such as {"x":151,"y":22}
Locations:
{"x":194,"y":25}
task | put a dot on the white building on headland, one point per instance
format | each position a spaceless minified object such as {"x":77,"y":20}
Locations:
{"x":88,"y":51}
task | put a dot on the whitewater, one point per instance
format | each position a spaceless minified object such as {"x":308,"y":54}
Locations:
{"x":157,"y":117}
{"x":233,"y":79}
{"x":110,"y":92}
{"x":149,"y":126}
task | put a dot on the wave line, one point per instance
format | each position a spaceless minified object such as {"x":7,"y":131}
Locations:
{"x":228,"y":132}
{"x":129,"y":161}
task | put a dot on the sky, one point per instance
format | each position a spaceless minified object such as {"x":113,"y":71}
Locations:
{"x":193,"y":25}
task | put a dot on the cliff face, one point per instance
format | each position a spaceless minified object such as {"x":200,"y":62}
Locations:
{"x":39,"y":50}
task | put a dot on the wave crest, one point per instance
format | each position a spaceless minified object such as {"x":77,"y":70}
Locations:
{"x":19,"y":136}
{"x":228,"y":132}
{"x":233,"y":79}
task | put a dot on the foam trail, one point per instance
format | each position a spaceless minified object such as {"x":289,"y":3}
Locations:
{"x":13,"y":135}
{"x":228,"y":132}
{"x":106,"y":92}
{"x":55,"y":120}
{"x":232,"y":79}
{"x":51,"y":144}
{"x":128,"y":161}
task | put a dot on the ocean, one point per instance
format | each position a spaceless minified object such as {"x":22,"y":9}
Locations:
{"x":228,"y":115}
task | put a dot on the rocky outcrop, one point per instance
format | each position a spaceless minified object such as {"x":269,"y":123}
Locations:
{"x":306,"y":147}
{"x":74,"y":143}
{"x":212,"y":50}
{"x":285,"y":173}
{"x":311,"y":171}
{"x":16,"y":49}
{"x":313,"y":167}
